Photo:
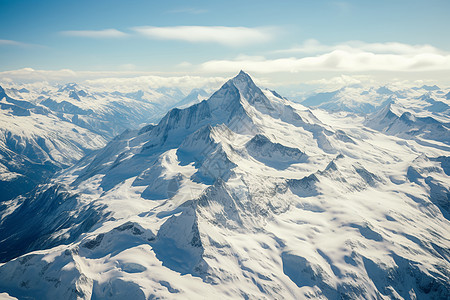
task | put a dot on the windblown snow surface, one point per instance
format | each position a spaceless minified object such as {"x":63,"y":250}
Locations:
{"x":242,"y":196}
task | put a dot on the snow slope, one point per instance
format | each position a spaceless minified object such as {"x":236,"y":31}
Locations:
{"x":45,"y":129}
{"x":426,"y":101}
{"x":354,"y":99}
{"x":411,"y":126}
{"x":244,"y":195}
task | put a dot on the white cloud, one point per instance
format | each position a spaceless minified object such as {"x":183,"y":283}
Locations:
{"x":11,"y":43}
{"x":336,"y":60}
{"x":312,"y":46}
{"x":17,"y":44}
{"x":186,"y":83}
{"x":105,"y":33}
{"x":27,"y":75}
{"x":341,"y":80}
{"x":393,"y":47}
{"x":229,"y":36}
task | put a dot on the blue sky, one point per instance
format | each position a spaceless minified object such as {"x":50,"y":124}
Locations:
{"x":276,"y":40}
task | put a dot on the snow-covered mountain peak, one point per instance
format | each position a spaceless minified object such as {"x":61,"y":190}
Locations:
{"x":234,"y":105}
{"x":396,"y":119}
{"x":387,"y":110}
{"x":243,"y":195}
{"x":243,"y":78}
{"x":68,"y":87}
{"x":249,"y":91}
{"x":240,"y":90}
{"x":384,"y":90}
{"x":430,"y":87}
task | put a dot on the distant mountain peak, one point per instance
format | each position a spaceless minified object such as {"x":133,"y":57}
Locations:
{"x":71,"y":86}
{"x":430,"y":87}
{"x":384,"y":90}
{"x":198,"y":91}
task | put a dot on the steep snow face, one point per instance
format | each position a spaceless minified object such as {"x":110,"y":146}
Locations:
{"x":35,"y":142}
{"x":409,"y":126}
{"x":423,"y":102}
{"x":43,"y":131}
{"x":417,"y":113}
{"x":194,"y":97}
{"x":244,"y":195}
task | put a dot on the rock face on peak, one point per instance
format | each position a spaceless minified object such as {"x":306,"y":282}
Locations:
{"x":243,"y":195}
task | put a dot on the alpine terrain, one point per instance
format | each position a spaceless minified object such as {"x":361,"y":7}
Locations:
{"x":246,"y":195}
{"x":44,"y":129}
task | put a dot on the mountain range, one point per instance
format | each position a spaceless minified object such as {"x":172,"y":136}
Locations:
{"x":243,"y":195}
{"x":44,"y":130}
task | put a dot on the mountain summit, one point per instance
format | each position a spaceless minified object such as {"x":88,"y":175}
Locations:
{"x":243,"y":195}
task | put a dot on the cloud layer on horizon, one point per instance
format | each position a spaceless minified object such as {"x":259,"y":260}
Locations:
{"x":312,"y":46}
{"x":289,"y":85}
{"x":120,"y":80}
{"x":352,"y":56}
